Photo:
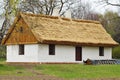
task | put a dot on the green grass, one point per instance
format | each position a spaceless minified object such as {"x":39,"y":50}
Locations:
{"x":9,"y":70}
{"x":69,"y":71}
{"x":6,"y":69}
{"x":81,"y":71}
{"x":2,"y":60}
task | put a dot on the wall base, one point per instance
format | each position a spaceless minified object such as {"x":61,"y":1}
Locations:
{"x":43,"y":63}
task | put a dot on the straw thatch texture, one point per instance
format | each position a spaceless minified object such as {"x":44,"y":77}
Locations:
{"x":48,"y":29}
{"x":56,"y":30}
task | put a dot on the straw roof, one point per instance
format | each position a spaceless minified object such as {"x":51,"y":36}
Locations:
{"x":57,"y":30}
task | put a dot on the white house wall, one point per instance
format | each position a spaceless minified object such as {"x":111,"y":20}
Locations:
{"x":108,"y":53}
{"x":67,"y":53}
{"x":93,"y":53}
{"x":30,"y":53}
{"x":63,"y":53}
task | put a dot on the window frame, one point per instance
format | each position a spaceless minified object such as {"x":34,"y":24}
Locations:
{"x":51,"y":49}
{"x":101,"y":51}
{"x":21,"y":49}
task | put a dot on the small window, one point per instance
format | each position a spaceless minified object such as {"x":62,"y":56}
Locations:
{"x":21,"y":49}
{"x":21,"y":29}
{"x":101,"y":51}
{"x":51,"y":49}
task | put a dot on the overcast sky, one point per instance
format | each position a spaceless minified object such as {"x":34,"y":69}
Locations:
{"x":96,"y":6}
{"x":100,"y":7}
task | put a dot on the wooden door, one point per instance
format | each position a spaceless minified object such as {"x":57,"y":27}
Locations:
{"x":78,"y":53}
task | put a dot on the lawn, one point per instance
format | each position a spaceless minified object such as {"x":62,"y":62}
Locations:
{"x":80,"y":71}
{"x":63,"y":70}
{"x":7,"y":69}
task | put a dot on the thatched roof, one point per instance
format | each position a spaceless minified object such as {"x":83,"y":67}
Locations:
{"x":57,"y":30}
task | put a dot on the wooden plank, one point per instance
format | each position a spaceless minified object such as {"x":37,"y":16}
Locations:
{"x":23,"y":36}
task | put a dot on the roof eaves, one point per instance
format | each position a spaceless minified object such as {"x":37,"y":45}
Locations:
{"x":78,"y":43}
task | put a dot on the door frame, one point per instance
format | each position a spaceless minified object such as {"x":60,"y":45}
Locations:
{"x":78,"y":53}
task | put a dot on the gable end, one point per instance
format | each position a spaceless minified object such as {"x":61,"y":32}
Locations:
{"x":19,"y":33}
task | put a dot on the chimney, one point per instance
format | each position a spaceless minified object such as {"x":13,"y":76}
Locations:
{"x":55,"y":12}
{"x":67,"y":14}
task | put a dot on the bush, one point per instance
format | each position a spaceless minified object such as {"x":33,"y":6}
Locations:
{"x":2,"y":52}
{"x":116,"y":53}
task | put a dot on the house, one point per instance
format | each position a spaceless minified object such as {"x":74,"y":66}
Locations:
{"x":52,"y":39}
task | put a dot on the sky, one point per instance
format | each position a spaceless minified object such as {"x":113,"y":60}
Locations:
{"x":100,"y":7}
{"x":1,"y":6}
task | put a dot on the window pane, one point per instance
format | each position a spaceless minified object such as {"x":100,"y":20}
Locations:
{"x":101,"y":51}
{"x":51,"y":49}
{"x":21,"y":49}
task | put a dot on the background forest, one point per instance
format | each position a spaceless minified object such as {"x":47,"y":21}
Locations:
{"x":79,"y":10}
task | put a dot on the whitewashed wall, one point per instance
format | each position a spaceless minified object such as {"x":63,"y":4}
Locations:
{"x":67,"y":53}
{"x":63,"y":53}
{"x":30,"y":54}
{"x":93,"y":53}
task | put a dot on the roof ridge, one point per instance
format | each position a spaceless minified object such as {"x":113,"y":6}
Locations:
{"x":41,"y":15}
{"x":88,"y":21}
{"x":62,"y":18}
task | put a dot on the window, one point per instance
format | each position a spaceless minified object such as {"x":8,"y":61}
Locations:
{"x":21,"y":49}
{"x":101,"y":51}
{"x":21,"y":29}
{"x":51,"y":49}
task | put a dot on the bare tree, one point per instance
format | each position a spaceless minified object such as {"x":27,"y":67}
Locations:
{"x":10,"y":9}
{"x":6,"y":21}
{"x":83,"y":11}
{"x":45,"y":6}
{"x":110,"y":2}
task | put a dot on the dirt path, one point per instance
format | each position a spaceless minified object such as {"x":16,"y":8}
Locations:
{"x":44,"y":77}
{"x":40,"y":77}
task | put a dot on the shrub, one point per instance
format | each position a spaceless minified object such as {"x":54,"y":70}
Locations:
{"x":2,"y":52}
{"x":116,"y":53}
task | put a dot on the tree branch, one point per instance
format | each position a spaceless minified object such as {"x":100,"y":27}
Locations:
{"x":109,"y":3}
{"x":113,"y":4}
{"x":62,"y":3}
